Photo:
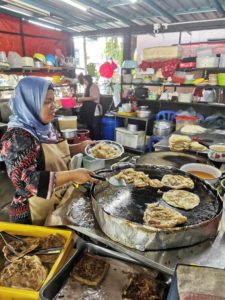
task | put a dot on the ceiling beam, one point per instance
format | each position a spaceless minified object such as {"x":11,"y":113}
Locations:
{"x":148,"y":29}
{"x":161,"y":11}
{"x":106,"y":11}
{"x":219,"y":7}
{"x":58,"y":12}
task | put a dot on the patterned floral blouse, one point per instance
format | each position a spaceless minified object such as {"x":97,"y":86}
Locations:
{"x":24,"y":160}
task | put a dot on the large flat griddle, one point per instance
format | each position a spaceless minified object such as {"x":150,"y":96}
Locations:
{"x":173,"y":159}
{"x":123,"y":208}
{"x":130,"y":202}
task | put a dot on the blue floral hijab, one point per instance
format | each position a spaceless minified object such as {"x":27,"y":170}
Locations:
{"x":26,"y":106}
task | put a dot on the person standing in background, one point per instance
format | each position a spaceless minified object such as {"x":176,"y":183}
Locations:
{"x":91,"y":110}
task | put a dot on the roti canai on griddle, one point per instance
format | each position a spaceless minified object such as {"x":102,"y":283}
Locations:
{"x":159,"y":216}
{"x":26,"y":272}
{"x":20,"y":249}
{"x":181,"y":198}
{"x":177,"y":182}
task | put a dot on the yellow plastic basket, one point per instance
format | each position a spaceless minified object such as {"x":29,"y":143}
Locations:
{"x":7,"y":293}
{"x":127,"y":114}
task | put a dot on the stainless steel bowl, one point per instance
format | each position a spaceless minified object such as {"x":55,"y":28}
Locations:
{"x":143,"y":113}
{"x":69,"y":133}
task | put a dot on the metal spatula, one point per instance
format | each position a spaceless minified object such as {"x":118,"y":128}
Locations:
{"x":112,"y":180}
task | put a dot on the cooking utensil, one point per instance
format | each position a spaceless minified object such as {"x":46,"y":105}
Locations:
{"x":6,"y":237}
{"x":112,"y":180}
{"x":119,"y":147}
{"x":170,"y":158}
{"x":216,"y":173}
{"x":143,"y":113}
{"x":162,"y":128}
{"x":198,"y":139}
{"x":46,"y":251}
{"x":121,"y":216}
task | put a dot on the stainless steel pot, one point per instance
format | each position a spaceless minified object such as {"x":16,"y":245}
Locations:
{"x":162,"y":128}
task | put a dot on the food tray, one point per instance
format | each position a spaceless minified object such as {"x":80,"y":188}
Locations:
{"x":127,"y":114}
{"x":119,"y":147}
{"x":35,"y":231}
{"x":63,"y":286}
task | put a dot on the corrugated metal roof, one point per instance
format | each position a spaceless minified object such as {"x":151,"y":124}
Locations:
{"x":108,"y":16}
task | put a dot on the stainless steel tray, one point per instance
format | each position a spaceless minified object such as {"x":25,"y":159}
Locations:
{"x":62,"y":286}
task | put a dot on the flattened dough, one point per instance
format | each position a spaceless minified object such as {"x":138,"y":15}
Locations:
{"x":181,"y":198}
{"x":159,"y":216}
{"x":177,"y":182}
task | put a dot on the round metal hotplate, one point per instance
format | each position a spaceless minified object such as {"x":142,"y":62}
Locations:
{"x":126,"y":206}
{"x":173,"y":159}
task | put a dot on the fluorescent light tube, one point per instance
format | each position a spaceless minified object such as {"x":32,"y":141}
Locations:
{"x":44,"y":25}
{"x":75,"y":4}
{"x":48,"y":21}
{"x":16,"y":11}
{"x":31,"y":7}
{"x":73,"y":29}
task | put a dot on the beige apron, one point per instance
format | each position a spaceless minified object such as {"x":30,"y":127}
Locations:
{"x":57,"y":158}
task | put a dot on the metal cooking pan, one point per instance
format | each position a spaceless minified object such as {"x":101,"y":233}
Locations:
{"x":120,"y":210}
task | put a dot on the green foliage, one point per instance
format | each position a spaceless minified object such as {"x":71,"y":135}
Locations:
{"x":91,"y":70}
{"x":114,"y":49}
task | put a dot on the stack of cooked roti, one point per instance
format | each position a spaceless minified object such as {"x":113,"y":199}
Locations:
{"x":178,"y":142}
{"x":24,"y":271}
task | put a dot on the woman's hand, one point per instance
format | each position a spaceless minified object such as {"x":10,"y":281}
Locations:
{"x":84,"y":144}
{"x":79,"y":148}
{"x":82,"y":175}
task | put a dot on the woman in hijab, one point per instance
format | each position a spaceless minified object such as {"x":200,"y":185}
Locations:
{"x":35,"y":155}
{"x":91,"y":109}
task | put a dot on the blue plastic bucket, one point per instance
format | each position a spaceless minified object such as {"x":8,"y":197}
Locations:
{"x":108,"y":127}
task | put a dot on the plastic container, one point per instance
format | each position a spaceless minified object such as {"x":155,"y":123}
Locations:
{"x":7,"y":293}
{"x":68,"y":102}
{"x":92,"y":163}
{"x":186,"y":120}
{"x":207,"y":62}
{"x":108,"y":127}
{"x":221,"y":79}
{"x":185,"y":97}
{"x":67,"y":122}
{"x":130,"y":139}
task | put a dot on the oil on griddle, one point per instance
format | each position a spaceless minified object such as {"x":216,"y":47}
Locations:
{"x":130,"y":202}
